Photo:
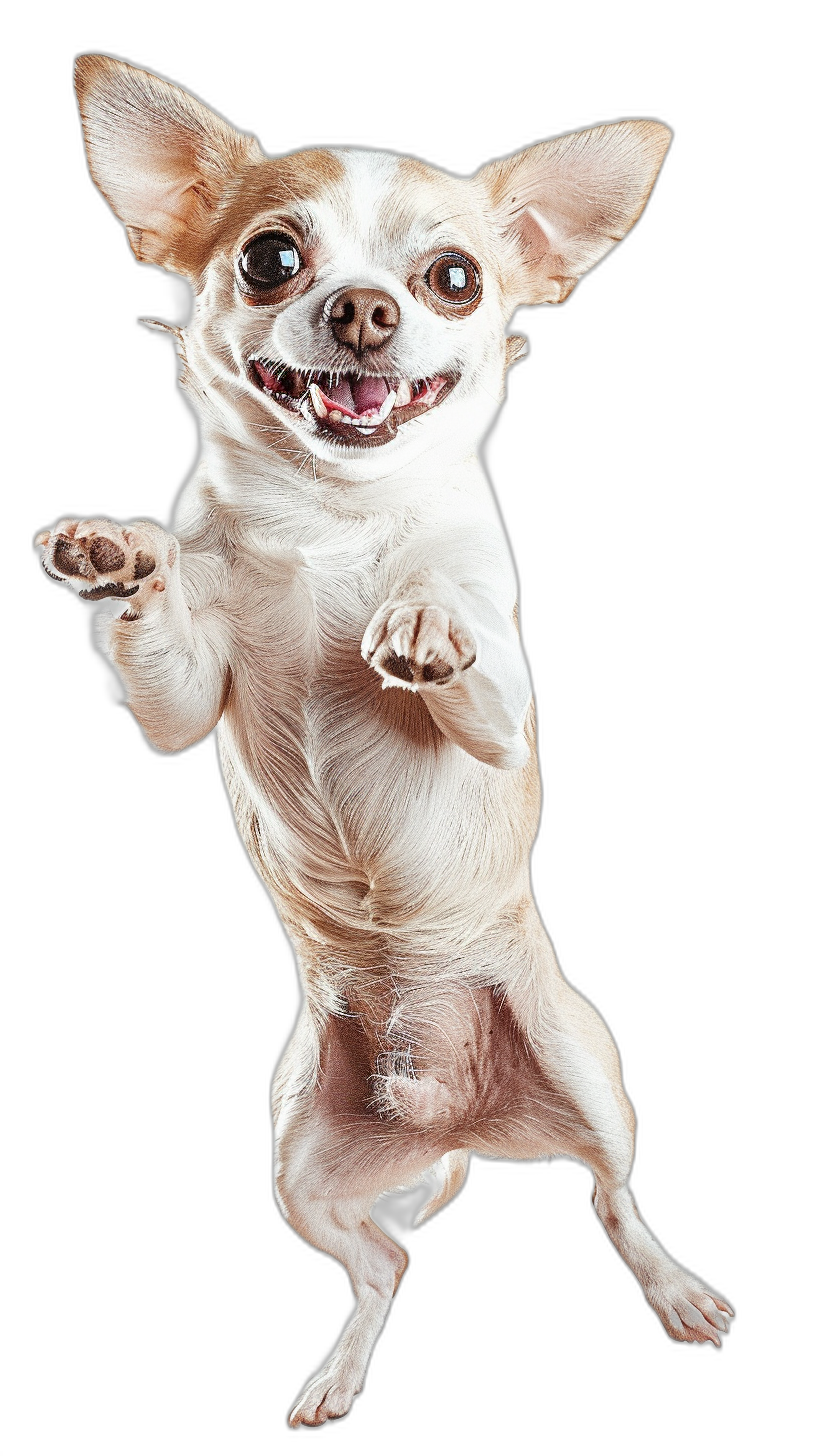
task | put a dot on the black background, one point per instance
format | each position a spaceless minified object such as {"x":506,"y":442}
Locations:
{"x":161,"y":986}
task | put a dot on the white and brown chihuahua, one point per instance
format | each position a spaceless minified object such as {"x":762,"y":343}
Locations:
{"x":345,"y":355}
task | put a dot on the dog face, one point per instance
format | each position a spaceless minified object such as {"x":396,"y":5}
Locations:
{"x":354,"y":300}
{"x":363,"y":304}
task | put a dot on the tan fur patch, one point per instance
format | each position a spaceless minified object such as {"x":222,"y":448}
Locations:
{"x":269,"y":190}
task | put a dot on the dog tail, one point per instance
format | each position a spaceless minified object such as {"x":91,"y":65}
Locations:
{"x":453,"y":1168}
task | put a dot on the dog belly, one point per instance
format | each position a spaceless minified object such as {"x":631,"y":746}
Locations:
{"x":454,"y":1072}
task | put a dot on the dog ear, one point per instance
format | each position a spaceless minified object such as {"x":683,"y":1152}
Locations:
{"x":563,"y":204}
{"x":160,"y":158}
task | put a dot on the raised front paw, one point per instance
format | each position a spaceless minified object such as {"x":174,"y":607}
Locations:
{"x":101,"y":559}
{"x":417,"y":646}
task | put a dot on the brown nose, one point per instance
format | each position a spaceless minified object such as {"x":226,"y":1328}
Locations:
{"x":364,"y":318}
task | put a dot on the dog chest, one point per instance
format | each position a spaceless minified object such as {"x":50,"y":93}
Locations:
{"x":349,"y":796}
{"x":316,"y":748}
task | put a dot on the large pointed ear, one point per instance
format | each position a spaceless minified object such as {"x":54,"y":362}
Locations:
{"x":162,"y":160}
{"x":562,"y":204}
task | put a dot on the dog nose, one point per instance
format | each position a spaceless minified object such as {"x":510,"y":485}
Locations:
{"x":364,"y":318}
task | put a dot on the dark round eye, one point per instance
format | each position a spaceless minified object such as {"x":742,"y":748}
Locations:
{"x":454,"y":278}
{"x":269,"y":261}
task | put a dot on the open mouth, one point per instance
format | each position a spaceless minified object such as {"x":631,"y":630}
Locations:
{"x":359,"y":409}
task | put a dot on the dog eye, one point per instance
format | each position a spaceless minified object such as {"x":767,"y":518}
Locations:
{"x":454,"y":278}
{"x":269,"y":261}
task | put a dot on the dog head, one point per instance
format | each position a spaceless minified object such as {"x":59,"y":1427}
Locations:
{"x":355,"y":300}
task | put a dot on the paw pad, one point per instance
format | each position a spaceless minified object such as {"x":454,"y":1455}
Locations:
{"x":143,"y":564}
{"x":105,"y":555}
{"x":69,"y":559}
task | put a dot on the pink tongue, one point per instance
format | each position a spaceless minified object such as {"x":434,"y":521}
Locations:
{"x":356,"y":396}
{"x":340,"y":395}
{"x":369,"y":393}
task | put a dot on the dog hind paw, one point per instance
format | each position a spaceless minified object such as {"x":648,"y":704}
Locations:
{"x":689,"y":1311}
{"x":327,"y":1396}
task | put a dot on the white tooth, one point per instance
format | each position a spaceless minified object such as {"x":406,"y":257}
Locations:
{"x":387,"y":406}
{"x":337,"y":416}
{"x":317,"y":403}
{"x":403,"y":394}
{"x":304,"y":409}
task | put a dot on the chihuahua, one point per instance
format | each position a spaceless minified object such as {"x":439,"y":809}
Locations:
{"x":339,"y":538}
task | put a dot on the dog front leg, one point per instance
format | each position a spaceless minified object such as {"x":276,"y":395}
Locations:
{"x":454,"y":647}
{"x":170,"y":644}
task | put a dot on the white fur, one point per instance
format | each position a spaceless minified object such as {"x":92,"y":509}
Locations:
{"x":393,"y":828}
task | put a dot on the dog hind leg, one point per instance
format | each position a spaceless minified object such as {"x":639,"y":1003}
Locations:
{"x":593,"y":1121}
{"x":334,"y":1158}
{"x":375,"y":1265}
